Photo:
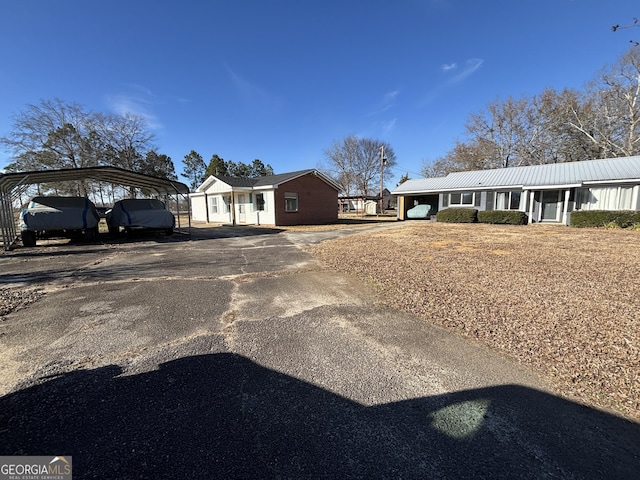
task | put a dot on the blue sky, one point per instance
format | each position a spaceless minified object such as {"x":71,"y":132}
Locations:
{"x":281,"y":80}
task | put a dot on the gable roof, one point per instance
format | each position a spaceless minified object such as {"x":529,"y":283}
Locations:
{"x":569,"y":174}
{"x":238,"y":182}
{"x":269,"y":181}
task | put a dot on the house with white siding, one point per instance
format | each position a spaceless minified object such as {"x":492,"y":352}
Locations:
{"x":297,"y":198}
{"x":546,"y":193}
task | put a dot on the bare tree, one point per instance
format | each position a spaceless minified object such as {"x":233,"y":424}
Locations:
{"x":609,"y":116}
{"x":450,"y":162}
{"x":371,"y":158}
{"x":52,"y":135}
{"x":56,"y":134}
{"x":469,"y":155}
{"x":342,"y":157}
{"x":434,"y":168}
{"x":503,"y":132}
{"x":557,"y":141}
{"x":547,"y":128}
{"x":357,"y":163}
{"x":125,"y":140}
{"x":601,"y":121}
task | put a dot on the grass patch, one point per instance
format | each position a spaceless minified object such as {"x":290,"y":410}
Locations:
{"x":559,"y":300}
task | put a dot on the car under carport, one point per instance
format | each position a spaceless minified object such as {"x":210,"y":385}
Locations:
{"x":12,"y":185}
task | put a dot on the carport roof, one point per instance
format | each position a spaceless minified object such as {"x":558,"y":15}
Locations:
{"x":114,"y":175}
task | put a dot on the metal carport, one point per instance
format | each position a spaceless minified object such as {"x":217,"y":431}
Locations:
{"x":13,"y":184}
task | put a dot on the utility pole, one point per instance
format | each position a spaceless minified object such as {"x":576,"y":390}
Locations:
{"x":383,"y":160}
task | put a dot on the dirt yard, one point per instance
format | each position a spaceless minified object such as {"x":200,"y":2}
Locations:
{"x":563,"y":301}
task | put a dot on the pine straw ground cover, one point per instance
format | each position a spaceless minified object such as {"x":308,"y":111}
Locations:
{"x":563,"y":301}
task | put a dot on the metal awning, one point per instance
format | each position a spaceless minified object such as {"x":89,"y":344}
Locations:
{"x":118,"y":176}
{"x":12,"y":184}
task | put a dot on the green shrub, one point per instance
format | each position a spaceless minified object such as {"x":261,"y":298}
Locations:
{"x":506,"y":217}
{"x":627,"y":219}
{"x":605,"y":218}
{"x":457,"y":215}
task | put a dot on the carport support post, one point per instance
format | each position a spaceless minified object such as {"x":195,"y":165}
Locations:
{"x":233,"y":208}
{"x":7,"y":221}
{"x":178,"y":211}
{"x":400,"y":212}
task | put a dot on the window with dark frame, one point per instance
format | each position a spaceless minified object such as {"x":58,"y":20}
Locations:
{"x":514,"y":201}
{"x":260,"y":202}
{"x":462,"y":199}
{"x":290,"y":202}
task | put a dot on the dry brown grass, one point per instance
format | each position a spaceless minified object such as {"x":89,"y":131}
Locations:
{"x":562,"y":301}
{"x":344,"y":221}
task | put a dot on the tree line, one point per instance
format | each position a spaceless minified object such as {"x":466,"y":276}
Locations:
{"x":57,"y":135}
{"x":196,"y":171}
{"x":600,"y":121}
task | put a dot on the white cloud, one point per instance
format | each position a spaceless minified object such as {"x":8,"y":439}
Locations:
{"x":470,"y":67}
{"x":390,"y":97}
{"x":388,"y":101}
{"x":138,"y":101}
{"x":389,"y":126}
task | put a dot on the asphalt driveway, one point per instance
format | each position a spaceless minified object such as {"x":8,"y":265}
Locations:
{"x":234,"y":354}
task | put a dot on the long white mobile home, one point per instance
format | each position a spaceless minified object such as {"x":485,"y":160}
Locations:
{"x":546,"y":193}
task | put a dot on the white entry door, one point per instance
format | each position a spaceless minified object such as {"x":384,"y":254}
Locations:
{"x":242,"y":216}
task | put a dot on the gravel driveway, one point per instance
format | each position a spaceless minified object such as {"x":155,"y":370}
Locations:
{"x":237,"y":354}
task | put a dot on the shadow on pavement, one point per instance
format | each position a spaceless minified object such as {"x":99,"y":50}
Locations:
{"x":59,"y":260}
{"x":229,"y":231}
{"x":142,"y":260}
{"x":224,"y":416}
{"x":52,"y":247}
